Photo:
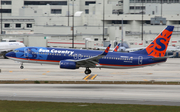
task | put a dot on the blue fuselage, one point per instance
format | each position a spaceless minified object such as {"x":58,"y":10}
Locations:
{"x":115,"y":60}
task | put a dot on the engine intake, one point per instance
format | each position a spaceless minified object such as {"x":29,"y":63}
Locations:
{"x":68,"y":65}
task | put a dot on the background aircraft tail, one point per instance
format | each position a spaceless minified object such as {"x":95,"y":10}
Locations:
{"x":116,"y":48}
{"x":159,"y":46}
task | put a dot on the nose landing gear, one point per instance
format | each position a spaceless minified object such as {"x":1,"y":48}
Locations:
{"x":21,"y":67}
{"x":87,"y":71}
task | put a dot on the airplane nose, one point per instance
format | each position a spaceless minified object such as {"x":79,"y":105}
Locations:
{"x":10,"y":54}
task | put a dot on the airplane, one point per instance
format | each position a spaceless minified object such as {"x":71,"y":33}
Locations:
{"x":6,"y":47}
{"x":74,"y":58}
{"x":173,"y":49}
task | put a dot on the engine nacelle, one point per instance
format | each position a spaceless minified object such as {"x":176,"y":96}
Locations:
{"x":68,"y":65}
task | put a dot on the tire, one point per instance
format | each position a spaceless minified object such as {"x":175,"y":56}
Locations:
{"x":21,"y":67}
{"x":86,"y":72}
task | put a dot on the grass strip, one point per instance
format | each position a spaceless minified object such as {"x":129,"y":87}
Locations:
{"x":25,"y":106}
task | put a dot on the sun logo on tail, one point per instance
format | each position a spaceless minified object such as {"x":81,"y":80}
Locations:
{"x":159,"y":46}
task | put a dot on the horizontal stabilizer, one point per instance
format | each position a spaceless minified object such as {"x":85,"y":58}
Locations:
{"x":162,"y":58}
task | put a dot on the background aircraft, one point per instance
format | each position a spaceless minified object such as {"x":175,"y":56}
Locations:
{"x":74,"y":58}
{"x":121,"y":48}
{"x":169,"y":49}
{"x":6,"y":47}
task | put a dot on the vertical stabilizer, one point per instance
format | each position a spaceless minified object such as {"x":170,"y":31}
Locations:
{"x":116,"y":48}
{"x":159,"y":46}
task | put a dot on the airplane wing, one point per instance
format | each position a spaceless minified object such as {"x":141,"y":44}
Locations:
{"x":92,"y":61}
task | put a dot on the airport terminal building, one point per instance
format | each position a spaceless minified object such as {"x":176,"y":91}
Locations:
{"x":49,"y":22}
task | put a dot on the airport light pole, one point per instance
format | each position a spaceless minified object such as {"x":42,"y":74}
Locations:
{"x":122,"y":33}
{"x":103,"y":21}
{"x":73,"y":25}
{"x":161,"y":8}
{"x":68,"y":12}
{"x":1,"y":21}
{"x":142,"y":23}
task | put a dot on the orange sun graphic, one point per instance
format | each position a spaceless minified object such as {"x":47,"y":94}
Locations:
{"x":159,"y":46}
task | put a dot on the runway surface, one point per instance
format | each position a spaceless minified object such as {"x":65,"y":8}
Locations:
{"x":169,"y":71}
{"x":89,"y":93}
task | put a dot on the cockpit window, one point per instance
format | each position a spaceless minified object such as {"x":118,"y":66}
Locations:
{"x":15,"y":51}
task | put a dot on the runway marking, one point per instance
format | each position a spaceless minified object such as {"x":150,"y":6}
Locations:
{"x":90,"y":77}
{"x":87,"y":76}
{"x":94,"y":77}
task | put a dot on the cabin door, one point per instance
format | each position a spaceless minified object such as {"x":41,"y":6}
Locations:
{"x":140,"y":60}
{"x":26,"y":52}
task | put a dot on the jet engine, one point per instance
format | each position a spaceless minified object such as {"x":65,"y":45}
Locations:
{"x":68,"y":65}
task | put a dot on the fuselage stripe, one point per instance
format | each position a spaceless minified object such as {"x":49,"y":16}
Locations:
{"x":35,"y":60}
{"x":130,"y":65}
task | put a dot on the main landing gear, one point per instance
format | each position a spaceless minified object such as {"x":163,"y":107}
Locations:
{"x":21,"y":67}
{"x":87,"y":71}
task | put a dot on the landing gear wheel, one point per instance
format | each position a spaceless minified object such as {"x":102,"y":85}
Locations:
{"x":21,"y":67}
{"x":87,"y":71}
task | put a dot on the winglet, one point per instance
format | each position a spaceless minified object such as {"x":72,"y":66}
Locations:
{"x":117,"y":47}
{"x":107,"y":50}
